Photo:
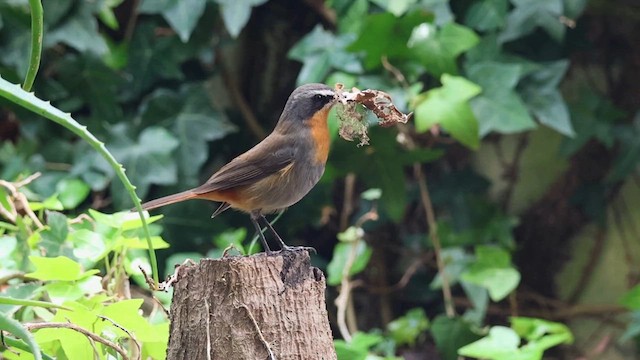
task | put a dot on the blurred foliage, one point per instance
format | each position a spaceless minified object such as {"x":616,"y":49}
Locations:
{"x":167,"y":86}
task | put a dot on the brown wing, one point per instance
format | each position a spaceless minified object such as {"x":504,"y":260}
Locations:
{"x":266,"y":158}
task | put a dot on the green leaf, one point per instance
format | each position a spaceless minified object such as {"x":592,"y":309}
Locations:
{"x":371,"y":194}
{"x":148,"y":160}
{"x":406,"y":329}
{"x":12,"y":326}
{"x":540,"y":91}
{"x":195,"y":121}
{"x":137,"y":243}
{"x":487,"y":15}
{"x":235,"y":13}
{"x":492,"y":270}
{"x":72,"y":192}
{"x":80,"y":31}
{"x":396,"y":7}
{"x":437,"y":49}
{"x":341,"y":254}
{"x":448,"y":106}
{"x":183,"y":16}
{"x":534,"y":329}
{"x":358,"y":348}
{"x":88,"y":246}
{"x":450,"y":334}
{"x":631,"y":299}
{"x":499,"y":108}
{"x":59,"y":268}
{"x":501,"y":344}
{"x":383,"y":34}
{"x":320,"y":51}
{"x":528,"y":15}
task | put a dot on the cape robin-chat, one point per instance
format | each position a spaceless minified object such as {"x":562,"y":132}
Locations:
{"x":278,"y":171}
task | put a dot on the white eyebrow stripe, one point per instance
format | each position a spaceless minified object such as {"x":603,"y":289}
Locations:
{"x":324,"y":92}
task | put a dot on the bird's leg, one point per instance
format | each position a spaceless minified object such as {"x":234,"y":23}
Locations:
{"x":284,"y":246}
{"x":263,"y":240}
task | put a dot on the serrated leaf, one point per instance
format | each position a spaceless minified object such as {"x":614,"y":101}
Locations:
{"x":448,"y":106}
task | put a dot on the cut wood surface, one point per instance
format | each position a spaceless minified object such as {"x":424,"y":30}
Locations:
{"x":250,"y":307}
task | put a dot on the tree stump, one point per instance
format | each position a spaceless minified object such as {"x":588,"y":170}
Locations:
{"x":250,"y":307}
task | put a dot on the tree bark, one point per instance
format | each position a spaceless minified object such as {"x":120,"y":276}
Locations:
{"x":250,"y":307}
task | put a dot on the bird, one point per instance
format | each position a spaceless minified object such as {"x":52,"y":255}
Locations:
{"x":278,"y":171}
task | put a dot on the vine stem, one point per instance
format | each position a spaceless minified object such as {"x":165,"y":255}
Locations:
{"x":37,"y":24}
{"x":43,"y":108}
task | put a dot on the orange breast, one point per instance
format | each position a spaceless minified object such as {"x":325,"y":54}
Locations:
{"x":320,"y":135}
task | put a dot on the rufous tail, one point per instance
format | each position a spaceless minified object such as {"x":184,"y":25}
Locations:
{"x":171,"y":199}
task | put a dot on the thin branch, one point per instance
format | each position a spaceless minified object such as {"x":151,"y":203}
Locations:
{"x":83,"y":331}
{"x":511,"y":171}
{"x":435,"y":238}
{"x":131,"y":336}
{"x":347,"y":201}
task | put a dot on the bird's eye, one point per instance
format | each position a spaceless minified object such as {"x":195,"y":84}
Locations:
{"x":318,"y":97}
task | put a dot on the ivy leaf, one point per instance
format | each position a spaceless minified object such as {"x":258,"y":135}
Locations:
{"x":383,"y":34}
{"x":450,"y":334}
{"x":449,"y":106}
{"x":195,"y":123}
{"x":79,"y":31}
{"x":72,"y":192}
{"x":493,"y":271}
{"x":485,"y":15}
{"x":148,"y":159}
{"x":501,"y":344}
{"x":151,"y":59}
{"x":407,"y":328}
{"x":182,"y":15}
{"x":437,"y":49}
{"x":540,"y":91}
{"x":499,"y":108}
{"x":528,"y":15}
{"x":236,"y":13}
{"x":320,"y":51}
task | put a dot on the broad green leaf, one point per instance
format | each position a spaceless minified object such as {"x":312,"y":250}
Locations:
{"x":235,"y":13}
{"x":80,"y":31}
{"x":183,"y":16}
{"x":383,"y":34}
{"x":437,"y":49}
{"x":72,"y":192}
{"x":148,"y":159}
{"x":487,"y":15}
{"x":88,"y":246}
{"x":527,"y":15}
{"x":126,"y":314}
{"x":493,"y":271}
{"x":540,"y":92}
{"x":503,"y":113}
{"x":448,"y":106}
{"x":406,"y":329}
{"x":358,"y":348}
{"x":450,"y":334}
{"x":50,"y":203}
{"x":195,"y":123}
{"x":54,"y":236}
{"x":534,"y":329}
{"x":320,"y":51}
{"x":21,"y":292}
{"x":499,"y":108}
{"x":341,"y":254}
{"x":58,"y":268}
{"x":501,"y":344}
{"x":12,"y":326}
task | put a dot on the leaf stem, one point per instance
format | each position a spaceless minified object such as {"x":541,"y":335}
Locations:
{"x":37,"y":24}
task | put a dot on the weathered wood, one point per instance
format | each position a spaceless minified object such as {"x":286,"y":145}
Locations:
{"x":252,"y":307}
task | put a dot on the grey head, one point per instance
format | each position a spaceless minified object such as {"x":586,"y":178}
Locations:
{"x":306,"y":100}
